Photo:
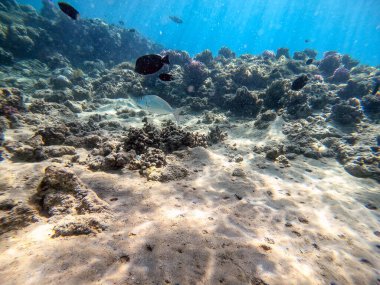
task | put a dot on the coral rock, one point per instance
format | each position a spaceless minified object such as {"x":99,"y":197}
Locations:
{"x":355,"y":88}
{"x":347,"y":112}
{"x":244,"y":103}
{"x":276,"y":91}
{"x":216,"y":135}
{"x":264,"y":119}
{"x":330,"y":63}
{"x":205,"y":57}
{"x":282,"y":52}
{"x":226,"y":53}
{"x":14,"y":216}
{"x":340,"y":75}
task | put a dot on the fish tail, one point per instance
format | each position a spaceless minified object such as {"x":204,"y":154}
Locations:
{"x":165,"y":59}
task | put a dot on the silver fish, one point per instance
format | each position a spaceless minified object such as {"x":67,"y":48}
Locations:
{"x":157,"y":105}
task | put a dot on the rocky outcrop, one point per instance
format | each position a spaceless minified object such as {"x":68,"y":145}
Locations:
{"x":73,"y":207}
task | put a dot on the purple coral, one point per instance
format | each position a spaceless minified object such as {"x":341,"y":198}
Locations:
{"x":268,"y":54}
{"x":195,"y":72}
{"x":341,"y":74}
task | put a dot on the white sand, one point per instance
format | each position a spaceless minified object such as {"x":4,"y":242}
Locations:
{"x":198,"y":229}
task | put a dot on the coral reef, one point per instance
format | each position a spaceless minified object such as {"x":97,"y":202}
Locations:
{"x":74,"y":134}
{"x":39,"y":36}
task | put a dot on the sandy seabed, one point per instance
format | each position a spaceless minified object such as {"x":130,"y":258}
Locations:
{"x":266,"y":224}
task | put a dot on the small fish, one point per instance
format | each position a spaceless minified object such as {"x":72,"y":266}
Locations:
{"x":376,"y":88}
{"x":176,"y":19}
{"x":307,"y":41}
{"x":131,"y":30}
{"x":299,"y":82}
{"x":166,"y":77}
{"x":309,"y":61}
{"x":151,"y":63}
{"x":69,"y":10}
{"x":121,"y":23}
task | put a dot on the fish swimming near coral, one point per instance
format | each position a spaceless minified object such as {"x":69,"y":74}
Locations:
{"x":166,"y":77}
{"x":151,"y":63}
{"x":157,"y":105}
{"x":307,"y":41}
{"x":131,"y":30}
{"x":69,"y":10}
{"x":299,"y":82}
{"x":121,"y":23}
{"x":176,"y":19}
{"x":309,"y":61}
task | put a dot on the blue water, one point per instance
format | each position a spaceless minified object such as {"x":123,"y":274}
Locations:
{"x":249,"y":26}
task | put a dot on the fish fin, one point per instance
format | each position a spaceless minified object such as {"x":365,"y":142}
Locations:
{"x":165,"y":59}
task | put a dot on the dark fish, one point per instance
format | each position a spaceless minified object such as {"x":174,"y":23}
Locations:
{"x":131,"y":30}
{"x":176,"y":19}
{"x":69,"y":10}
{"x":309,"y":61}
{"x":376,"y":88}
{"x":151,"y":63}
{"x":307,"y":41}
{"x":121,"y":23}
{"x":166,"y":77}
{"x":299,"y":82}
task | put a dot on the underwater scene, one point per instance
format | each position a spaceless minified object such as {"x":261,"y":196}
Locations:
{"x":190,"y":142}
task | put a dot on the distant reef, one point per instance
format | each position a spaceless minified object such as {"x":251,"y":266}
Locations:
{"x":26,"y":34}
